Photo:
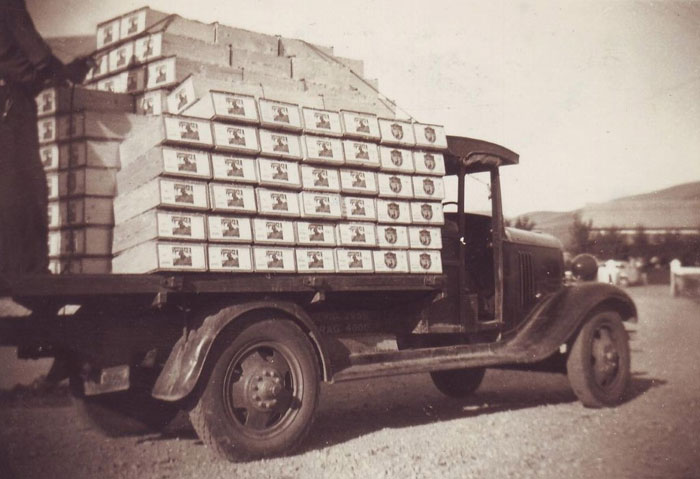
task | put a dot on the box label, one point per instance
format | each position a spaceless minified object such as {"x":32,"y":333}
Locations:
{"x":281,"y":115}
{"x":180,"y":226}
{"x":279,"y":173}
{"x":284,"y":145}
{"x":236,"y":138}
{"x":395,"y":261}
{"x":227,"y":228}
{"x":181,"y":257}
{"x":184,"y":130}
{"x":323,"y":122}
{"x":354,"y":261}
{"x":273,"y":231}
{"x":278,"y":203}
{"x":274,"y":259}
{"x":392,"y":236}
{"x":397,"y":132}
{"x":239,"y":198}
{"x":427,"y":213}
{"x":357,"y":234}
{"x":428,"y":188}
{"x":429,"y":163}
{"x":313,"y":233}
{"x":425,"y":237}
{"x":186,"y":162}
{"x":184,"y":194}
{"x":233,"y":168}
{"x":393,"y":211}
{"x":323,"y":150}
{"x":358,"y":182}
{"x":320,"y":178}
{"x":359,"y":153}
{"x":230,"y":258}
{"x":395,"y":186}
{"x":360,"y":125}
{"x":428,"y":261}
{"x":315,"y":260}
{"x":236,"y":107}
{"x":321,"y":205}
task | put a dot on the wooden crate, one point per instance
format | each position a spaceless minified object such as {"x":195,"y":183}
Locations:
{"x":359,"y":153}
{"x":164,"y":161}
{"x":395,"y":186}
{"x":393,"y":211}
{"x":139,"y":21}
{"x":358,"y":182}
{"x":154,"y":102}
{"x":426,"y":262}
{"x":85,"y":211}
{"x":81,"y":241}
{"x":278,"y":203}
{"x":279,"y":115}
{"x":161,"y":193}
{"x":393,"y":261}
{"x":274,"y":259}
{"x":280,"y":145}
{"x":321,"y":122}
{"x":359,"y":208}
{"x":155,"y":256}
{"x":219,"y":105}
{"x":273,"y":231}
{"x":226,"y":197}
{"x":95,"y":125}
{"x":320,"y":260}
{"x":229,"y":229}
{"x":430,"y":136}
{"x":163,"y":73}
{"x":428,"y":188}
{"x":120,"y":57}
{"x":129,"y":81}
{"x":397,"y":160}
{"x":60,"y":100}
{"x":278,"y":173}
{"x":50,"y":156}
{"x":239,"y":169}
{"x":356,"y":235}
{"x":429,"y":163}
{"x":81,"y":182}
{"x":90,"y":153}
{"x":392,"y":236}
{"x":236,"y":138}
{"x":360,"y":125}
{"x":230,"y":258}
{"x":396,"y":132}
{"x":161,"y":225}
{"x":321,"y":205}
{"x":424,"y":237}
{"x":324,"y":150}
{"x":427,"y":212}
{"x":354,"y":261}
{"x":320,"y":178}
{"x":75,"y":265}
{"x":313,"y":233}
{"x":108,"y":32}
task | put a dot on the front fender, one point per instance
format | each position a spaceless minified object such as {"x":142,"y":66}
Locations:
{"x":187,"y":358}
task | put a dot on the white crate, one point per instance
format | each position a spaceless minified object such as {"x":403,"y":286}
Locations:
{"x":273,"y":231}
{"x":360,"y":125}
{"x":49,"y":155}
{"x":108,"y":33}
{"x":395,"y":186}
{"x":161,"y":256}
{"x":230,"y":258}
{"x":392,"y":236}
{"x":239,"y":169}
{"x":121,"y":57}
{"x":359,"y":153}
{"x":425,"y":237}
{"x":161,"y":73}
{"x":152,"y":102}
{"x":427,"y":212}
{"x":278,"y":173}
{"x":358,"y":182}
{"x":155,"y":224}
{"x":229,"y":229}
{"x":321,"y":260}
{"x":281,"y":145}
{"x":354,"y":261}
{"x":232,"y":198}
{"x":430,"y":136}
{"x":320,"y":178}
{"x":277,"y":114}
{"x":320,"y":205}
{"x":322,"y":122}
{"x":394,"y":261}
{"x":359,"y":208}
{"x":313,"y":233}
{"x":161,"y":192}
{"x":357,"y":235}
{"x":393,"y":211}
{"x":236,"y":138}
{"x":429,"y":163}
{"x":278,"y":203}
{"x":319,"y":149}
{"x":396,"y":159}
{"x":427,"y":261}
{"x":428,"y":188}
{"x":396,"y":132}
{"x":222,"y":106}
{"x":274,"y":259}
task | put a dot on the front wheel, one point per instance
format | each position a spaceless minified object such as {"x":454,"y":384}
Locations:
{"x":598,"y":366}
{"x":261,"y":394}
{"x":458,"y":383}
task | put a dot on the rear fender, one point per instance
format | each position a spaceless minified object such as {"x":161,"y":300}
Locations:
{"x":187,"y":358}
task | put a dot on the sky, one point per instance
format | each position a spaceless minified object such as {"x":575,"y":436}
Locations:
{"x":601,"y":99}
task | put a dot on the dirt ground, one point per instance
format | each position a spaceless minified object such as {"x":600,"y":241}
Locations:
{"x":518,"y":424}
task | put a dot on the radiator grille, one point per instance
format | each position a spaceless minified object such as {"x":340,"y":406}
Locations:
{"x":527,"y":280}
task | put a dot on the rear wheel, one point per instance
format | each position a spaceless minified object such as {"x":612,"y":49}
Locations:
{"x":598,"y":366}
{"x":261,"y":394}
{"x":458,"y":383}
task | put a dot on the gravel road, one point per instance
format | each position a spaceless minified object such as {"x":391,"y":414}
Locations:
{"x":518,"y":424}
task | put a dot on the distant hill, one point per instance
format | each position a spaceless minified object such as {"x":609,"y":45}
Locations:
{"x":674,"y":208}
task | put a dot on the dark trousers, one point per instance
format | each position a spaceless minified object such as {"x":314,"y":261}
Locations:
{"x":23,"y":191}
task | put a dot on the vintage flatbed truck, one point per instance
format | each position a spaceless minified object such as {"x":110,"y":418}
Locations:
{"x":245,"y":353}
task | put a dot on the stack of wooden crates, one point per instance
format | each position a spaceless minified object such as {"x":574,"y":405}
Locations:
{"x":215,"y":175}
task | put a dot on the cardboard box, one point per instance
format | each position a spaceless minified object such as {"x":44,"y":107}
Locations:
{"x":315,"y":233}
{"x":228,"y":258}
{"x":396,"y":132}
{"x":427,"y":261}
{"x":396,"y":160}
{"x":320,"y":178}
{"x":161,"y":193}
{"x":108,"y":32}
{"x":356,"y":235}
{"x":394,"y":261}
{"x":424,"y":237}
{"x":164,"y":161}
{"x":360,"y":125}
{"x":279,"y":115}
{"x":322,"y":122}
{"x":393,"y":211}
{"x":161,"y":225}
{"x":232,"y":198}
{"x":229,"y":229}
{"x":395,"y":186}
{"x":138,"y":21}
{"x":278,"y":203}
{"x":359,"y":208}
{"x":318,"y":149}
{"x":121,"y":57}
{"x":427,"y":212}
{"x":86,"y":211}
{"x":358,"y":182}
{"x":236,"y":138}
{"x":154,"y":102}
{"x":163,"y":73}
{"x":82,"y":241}
{"x":273,"y":231}
{"x":274,"y":259}
{"x":428,"y":188}
{"x":320,"y":205}
{"x":93,"y":125}
{"x":60,"y":100}
{"x":354,"y":261}
{"x":129,"y":81}
{"x":278,"y":173}
{"x":49,"y":155}
{"x":282,"y":145}
{"x":221,"y":106}
{"x":321,"y":260}
{"x":155,"y":256}
{"x":75,"y":265}
{"x":392,"y":236}
{"x":91,"y":153}
{"x":429,"y":163}
{"x":81,"y":182}
{"x":358,"y":153}
{"x":239,"y":169}
{"x":430,"y":136}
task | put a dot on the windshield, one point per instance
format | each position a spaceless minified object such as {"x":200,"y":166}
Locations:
{"x":477,"y":193}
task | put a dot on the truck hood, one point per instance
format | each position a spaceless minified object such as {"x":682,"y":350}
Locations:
{"x":532,"y":238}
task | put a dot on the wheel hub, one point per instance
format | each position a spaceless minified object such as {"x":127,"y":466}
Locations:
{"x":265,"y":388}
{"x":606,"y":359}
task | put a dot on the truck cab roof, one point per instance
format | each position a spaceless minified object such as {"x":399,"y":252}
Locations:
{"x":476,"y":155}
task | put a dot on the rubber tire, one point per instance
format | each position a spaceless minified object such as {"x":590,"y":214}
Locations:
{"x":579,"y":364}
{"x":458,"y":383}
{"x":125,"y":413}
{"x":226,"y":437}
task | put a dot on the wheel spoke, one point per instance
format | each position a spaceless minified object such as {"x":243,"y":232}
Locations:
{"x":279,"y":363}
{"x":258,"y":419}
{"x":238,"y":393}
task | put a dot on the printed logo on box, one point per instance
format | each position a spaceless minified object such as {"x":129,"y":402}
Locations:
{"x":235,"y":136}
{"x":229,"y":258}
{"x":230,"y":228}
{"x":235,"y":106}
{"x":181,"y":256}
{"x":279,"y":202}
{"x":275,"y":259}
{"x":188,"y":130}
{"x":181,"y":225}
{"x":280,"y":143}
{"x":274,"y":230}
{"x":316,"y":232}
